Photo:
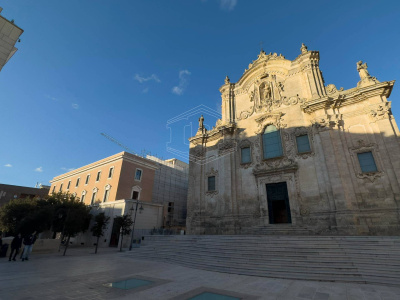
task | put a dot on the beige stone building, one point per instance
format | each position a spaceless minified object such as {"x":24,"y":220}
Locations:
{"x":9,"y":35}
{"x":113,"y":185}
{"x":292,"y":154}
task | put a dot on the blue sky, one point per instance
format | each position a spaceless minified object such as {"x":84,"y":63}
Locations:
{"x":127,"y":67}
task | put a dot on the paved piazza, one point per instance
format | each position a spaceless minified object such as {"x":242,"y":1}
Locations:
{"x":84,"y":275}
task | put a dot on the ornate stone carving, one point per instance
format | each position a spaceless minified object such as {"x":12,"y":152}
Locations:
{"x":270,"y":118}
{"x":320,"y":124}
{"x":274,"y":166}
{"x":363,"y":146}
{"x":212,"y":172}
{"x":293,"y":100}
{"x":226,"y":146}
{"x":327,"y":122}
{"x":331,"y":89}
{"x":382,"y":111}
{"x":197,"y":154}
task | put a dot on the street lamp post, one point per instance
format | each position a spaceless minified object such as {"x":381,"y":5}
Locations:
{"x":134,"y":220}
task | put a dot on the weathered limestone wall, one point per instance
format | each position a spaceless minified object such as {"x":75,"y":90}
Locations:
{"x":328,"y":192}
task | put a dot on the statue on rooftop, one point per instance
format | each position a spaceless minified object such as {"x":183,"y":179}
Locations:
{"x":201,"y":122}
{"x":362,"y":70}
{"x":366,"y":78}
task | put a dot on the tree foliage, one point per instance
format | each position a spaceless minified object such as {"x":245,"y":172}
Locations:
{"x":100,"y":225}
{"x":124,"y":223}
{"x":61,"y":212}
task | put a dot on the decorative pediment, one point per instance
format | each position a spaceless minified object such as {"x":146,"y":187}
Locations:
{"x":275,"y":166}
{"x":270,"y":118}
{"x":212,"y":172}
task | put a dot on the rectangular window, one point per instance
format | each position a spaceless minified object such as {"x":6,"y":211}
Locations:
{"x":211,"y":183}
{"x":138,"y":174}
{"x":77,"y":182}
{"x":303,"y":143}
{"x":69,"y":184}
{"x":83,"y":198}
{"x":93,"y":198}
{"x":110,"y":173}
{"x":87,"y":179}
{"x":61,"y":187}
{"x":272,"y":144}
{"x":170,"y":207}
{"x":98,"y":176}
{"x":54,"y":189}
{"x":367,"y":162}
{"x":106,"y":193}
{"x":135,"y":195}
{"x":246,"y":155}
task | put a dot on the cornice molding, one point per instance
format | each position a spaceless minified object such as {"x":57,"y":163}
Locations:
{"x":125,"y":156}
{"x":348,"y":97}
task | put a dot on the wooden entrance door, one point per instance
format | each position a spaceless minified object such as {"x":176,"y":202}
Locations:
{"x":115,"y":235}
{"x":278,"y":203}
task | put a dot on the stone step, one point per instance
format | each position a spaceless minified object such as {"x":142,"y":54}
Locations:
{"x":287,"y":252}
{"x":275,"y":273}
{"x":386,"y":263}
{"x":348,"y":259}
{"x":307,"y":265}
{"x":249,"y":248}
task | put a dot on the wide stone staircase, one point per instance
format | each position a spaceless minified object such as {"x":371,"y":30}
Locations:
{"x":373,"y":260}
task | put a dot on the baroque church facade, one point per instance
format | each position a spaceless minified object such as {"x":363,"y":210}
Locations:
{"x":290,"y":152}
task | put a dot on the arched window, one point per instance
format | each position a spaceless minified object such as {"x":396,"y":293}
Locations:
{"x":272,"y":144}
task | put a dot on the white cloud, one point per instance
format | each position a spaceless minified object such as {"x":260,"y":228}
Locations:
{"x":40,"y":169}
{"x":8,"y":165}
{"x":228,"y":5}
{"x":51,"y":98}
{"x":75,"y":106}
{"x":183,"y":82}
{"x":144,"y":79}
{"x":145,"y":90}
{"x":65,"y":169}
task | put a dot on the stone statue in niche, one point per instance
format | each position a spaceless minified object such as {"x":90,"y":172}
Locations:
{"x":267,"y":92}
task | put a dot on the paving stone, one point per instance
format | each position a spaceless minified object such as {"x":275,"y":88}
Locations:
{"x":81,"y":275}
{"x":321,"y":296}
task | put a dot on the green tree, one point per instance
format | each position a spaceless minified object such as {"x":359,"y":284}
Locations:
{"x":100,"y":225}
{"x":72,"y":216}
{"x":124,"y":223}
{"x":25,"y":216}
